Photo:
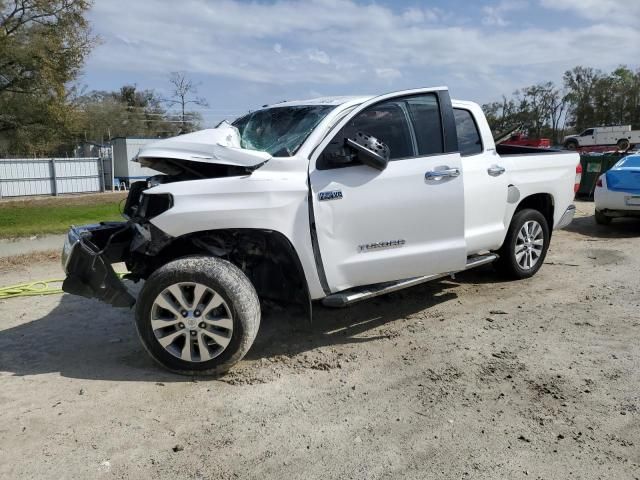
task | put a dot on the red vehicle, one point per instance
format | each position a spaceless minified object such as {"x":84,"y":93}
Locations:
{"x":525,"y":141}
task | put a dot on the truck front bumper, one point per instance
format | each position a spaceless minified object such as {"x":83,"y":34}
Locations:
{"x":87,"y":256}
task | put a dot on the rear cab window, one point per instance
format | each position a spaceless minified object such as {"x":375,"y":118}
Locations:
{"x":469,"y":139}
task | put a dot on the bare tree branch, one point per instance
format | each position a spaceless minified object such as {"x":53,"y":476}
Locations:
{"x":183,"y":93}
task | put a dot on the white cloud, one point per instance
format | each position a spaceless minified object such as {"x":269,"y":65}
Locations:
{"x":495,"y":15}
{"x":609,"y":11}
{"x":339,"y":43}
{"x":388,"y":73}
{"x":318,"y":56}
{"x":420,"y":15}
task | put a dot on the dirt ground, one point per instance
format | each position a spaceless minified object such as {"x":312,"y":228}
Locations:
{"x":471,"y":378}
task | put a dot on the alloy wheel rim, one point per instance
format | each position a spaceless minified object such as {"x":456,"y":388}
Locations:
{"x":191,"y":321}
{"x":529,"y":245}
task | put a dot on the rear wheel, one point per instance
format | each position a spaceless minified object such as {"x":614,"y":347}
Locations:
{"x":601,"y":218}
{"x":198,"y":315}
{"x":623,"y":144}
{"x":571,"y":144}
{"x":525,"y":245}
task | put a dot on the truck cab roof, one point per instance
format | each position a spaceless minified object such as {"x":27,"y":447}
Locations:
{"x":348,"y":99}
{"x":336,"y":100}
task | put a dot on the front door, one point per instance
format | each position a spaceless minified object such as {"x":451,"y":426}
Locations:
{"x":374,"y":226}
{"x":588,"y":138}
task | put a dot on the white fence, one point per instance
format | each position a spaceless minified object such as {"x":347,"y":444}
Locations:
{"x":54,"y":176}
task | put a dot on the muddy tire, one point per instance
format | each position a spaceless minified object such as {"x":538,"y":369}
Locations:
{"x":601,"y":218}
{"x":198,"y":315}
{"x":525,"y":246}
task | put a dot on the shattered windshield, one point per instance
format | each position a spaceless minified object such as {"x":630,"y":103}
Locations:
{"x":280,"y":131}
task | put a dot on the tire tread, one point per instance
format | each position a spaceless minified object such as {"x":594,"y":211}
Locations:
{"x":235,"y":285}
{"x":506,"y":263}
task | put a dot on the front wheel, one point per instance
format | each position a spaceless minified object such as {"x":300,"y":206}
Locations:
{"x":525,"y":245}
{"x":198,"y":315}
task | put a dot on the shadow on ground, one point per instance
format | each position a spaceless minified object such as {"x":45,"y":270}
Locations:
{"x":618,"y":228}
{"x":82,"y":338}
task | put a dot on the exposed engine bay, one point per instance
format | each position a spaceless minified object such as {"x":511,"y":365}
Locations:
{"x":266,"y":257}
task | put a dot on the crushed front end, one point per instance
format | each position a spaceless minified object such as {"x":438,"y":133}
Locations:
{"x":90,"y":250}
{"x":87,"y":256}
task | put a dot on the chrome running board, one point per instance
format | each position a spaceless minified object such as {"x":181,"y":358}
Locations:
{"x":477,"y":260}
{"x":357,"y":294}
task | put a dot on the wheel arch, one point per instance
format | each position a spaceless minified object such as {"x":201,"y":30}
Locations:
{"x":571,"y":142}
{"x":542,"y":202}
{"x":267,"y":257}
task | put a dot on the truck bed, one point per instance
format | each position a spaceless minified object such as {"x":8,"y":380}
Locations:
{"x":504,"y":150}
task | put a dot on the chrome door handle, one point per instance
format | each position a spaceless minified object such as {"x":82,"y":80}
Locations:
{"x":440,"y":174}
{"x":495,"y":170}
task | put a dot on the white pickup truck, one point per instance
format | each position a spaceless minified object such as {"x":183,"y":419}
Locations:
{"x":333,"y":199}
{"x":621,"y":136}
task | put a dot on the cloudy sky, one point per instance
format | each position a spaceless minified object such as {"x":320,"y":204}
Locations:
{"x":247,"y":53}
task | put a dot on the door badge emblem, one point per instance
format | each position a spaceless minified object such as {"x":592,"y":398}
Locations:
{"x":331,"y":195}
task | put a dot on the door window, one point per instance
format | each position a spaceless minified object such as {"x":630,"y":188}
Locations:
{"x":409,"y":126}
{"x":587,"y":133}
{"x":388,"y":123}
{"x":425,"y":117}
{"x":469,"y":140}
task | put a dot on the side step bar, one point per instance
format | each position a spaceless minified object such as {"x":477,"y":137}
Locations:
{"x":477,"y":260}
{"x":357,"y":294}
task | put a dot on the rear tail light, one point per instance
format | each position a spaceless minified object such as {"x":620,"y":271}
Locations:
{"x":576,"y":185}
{"x":599,"y":182}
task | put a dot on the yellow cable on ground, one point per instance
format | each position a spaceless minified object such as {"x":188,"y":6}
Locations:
{"x":41,"y":287}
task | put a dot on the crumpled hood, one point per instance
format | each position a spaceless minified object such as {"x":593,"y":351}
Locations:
{"x":219,"y":145}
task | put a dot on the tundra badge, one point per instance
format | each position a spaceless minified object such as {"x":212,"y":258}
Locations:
{"x":332,"y":195}
{"x":367,"y":247}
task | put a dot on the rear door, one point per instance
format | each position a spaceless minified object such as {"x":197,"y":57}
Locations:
{"x":485,"y":184}
{"x":408,"y":220}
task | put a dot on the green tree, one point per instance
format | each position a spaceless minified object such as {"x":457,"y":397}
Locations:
{"x":501,"y":116}
{"x":589,"y":98}
{"x":123,"y":113}
{"x":537,"y":109}
{"x":600,"y":99}
{"x":43,"y":45}
{"x":580,"y":83}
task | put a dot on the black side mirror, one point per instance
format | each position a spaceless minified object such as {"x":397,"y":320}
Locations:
{"x":371,"y":151}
